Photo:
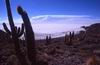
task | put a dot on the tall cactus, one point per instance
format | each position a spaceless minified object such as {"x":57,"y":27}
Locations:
{"x":30,"y":39}
{"x":15,"y":33}
{"x":10,"y":16}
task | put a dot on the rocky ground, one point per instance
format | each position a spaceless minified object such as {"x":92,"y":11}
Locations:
{"x":57,"y":52}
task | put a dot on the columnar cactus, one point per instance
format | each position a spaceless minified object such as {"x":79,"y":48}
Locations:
{"x":15,"y":34}
{"x":30,"y":39}
{"x":48,"y":40}
{"x":65,"y":39}
{"x":71,"y":36}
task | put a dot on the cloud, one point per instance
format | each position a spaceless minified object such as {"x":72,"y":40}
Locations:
{"x":66,"y":19}
{"x":55,"y":28}
{"x":57,"y":23}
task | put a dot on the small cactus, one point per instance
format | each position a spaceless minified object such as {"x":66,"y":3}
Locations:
{"x":48,"y":40}
{"x":65,"y":39}
{"x":70,"y":38}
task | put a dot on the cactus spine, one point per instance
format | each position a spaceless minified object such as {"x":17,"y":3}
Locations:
{"x":15,"y":33}
{"x":30,"y":39}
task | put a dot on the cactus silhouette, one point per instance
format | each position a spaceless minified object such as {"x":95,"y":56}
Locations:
{"x":30,"y":39}
{"x":65,"y":39}
{"x":70,"y":38}
{"x":48,"y":40}
{"x":15,"y":34}
{"x":71,"y":35}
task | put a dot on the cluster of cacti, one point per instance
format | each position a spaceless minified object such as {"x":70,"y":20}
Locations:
{"x":48,"y":40}
{"x":16,"y":33}
{"x":69,"y":38}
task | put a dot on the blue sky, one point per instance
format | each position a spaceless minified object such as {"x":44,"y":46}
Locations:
{"x":54,"y":7}
{"x":68,"y":12}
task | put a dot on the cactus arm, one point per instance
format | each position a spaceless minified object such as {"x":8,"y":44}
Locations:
{"x":21,"y":31}
{"x":6,"y":28}
{"x":9,"y":15}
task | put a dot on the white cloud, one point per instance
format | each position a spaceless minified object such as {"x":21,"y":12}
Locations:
{"x":67,"y":19}
{"x":55,"y":28}
{"x":57,"y":23}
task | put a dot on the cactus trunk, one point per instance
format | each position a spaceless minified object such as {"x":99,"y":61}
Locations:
{"x":20,"y":55}
{"x":30,"y":39}
{"x":10,"y":15}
